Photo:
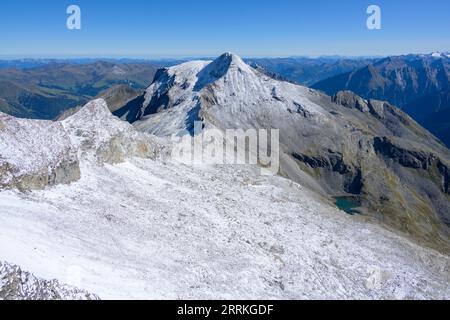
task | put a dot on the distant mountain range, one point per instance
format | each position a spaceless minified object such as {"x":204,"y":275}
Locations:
{"x":44,"y":92}
{"x":419,"y":84}
{"x":307,"y":71}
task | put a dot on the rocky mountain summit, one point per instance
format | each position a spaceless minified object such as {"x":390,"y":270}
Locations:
{"x":341,"y":146}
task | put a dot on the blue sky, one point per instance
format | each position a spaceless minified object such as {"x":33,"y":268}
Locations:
{"x":181,"y":28}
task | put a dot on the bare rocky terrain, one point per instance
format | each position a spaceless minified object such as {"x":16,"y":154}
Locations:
{"x":16,"y":284}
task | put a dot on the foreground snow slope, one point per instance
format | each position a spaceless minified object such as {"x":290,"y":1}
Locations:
{"x":158,"y":230}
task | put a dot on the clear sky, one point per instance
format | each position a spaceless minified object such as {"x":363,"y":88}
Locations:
{"x":182,"y":28}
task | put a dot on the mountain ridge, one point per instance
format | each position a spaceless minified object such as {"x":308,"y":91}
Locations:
{"x":330,"y":146}
{"x":418,"y":84}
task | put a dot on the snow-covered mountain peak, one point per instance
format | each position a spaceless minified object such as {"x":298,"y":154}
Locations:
{"x":439,"y":55}
{"x":183,"y":94}
{"x":203,"y":71}
{"x":229,"y":60}
{"x":97,"y":134}
{"x":227,"y":63}
{"x":228,"y":55}
{"x":95,"y":114}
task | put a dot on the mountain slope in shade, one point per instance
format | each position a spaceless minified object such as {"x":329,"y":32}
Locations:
{"x":400,"y":80}
{"x":419,"y":84}
{"x":433,"y":112}
{"x":30,"y":101}
{"x":345,"y":146}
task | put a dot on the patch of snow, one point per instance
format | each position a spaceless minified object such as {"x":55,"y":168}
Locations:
{"x":436,"y":55}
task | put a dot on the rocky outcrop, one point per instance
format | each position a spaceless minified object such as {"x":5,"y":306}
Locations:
{"x":407,"y":158}
{"x":97,"y":134}
{"x":350,"y":100}
{"x":413,"y":159}
{"x":35,"y":154}
{"x":344,"y":176}
{"x":445,"y":172}
{"x":16,"y":284}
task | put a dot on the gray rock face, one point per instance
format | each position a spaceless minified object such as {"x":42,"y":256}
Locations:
{"x":338,"y":146}
{"x":16,"y":284}
{"x":406,"y":158}
{"x":350,"y":100}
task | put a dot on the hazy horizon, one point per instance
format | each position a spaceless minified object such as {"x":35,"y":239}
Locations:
{"x":201,"y":57}
{"x":180,"y":57}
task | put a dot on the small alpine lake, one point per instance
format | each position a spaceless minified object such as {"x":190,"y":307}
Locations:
{"x":349,"y":205}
